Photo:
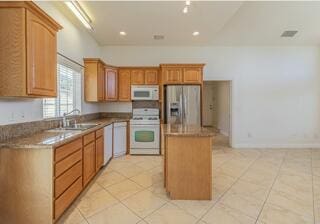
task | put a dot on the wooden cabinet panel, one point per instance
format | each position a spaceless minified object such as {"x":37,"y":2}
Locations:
{"x":100,"y":82}
{"x":172,"y":76}
{"x":137,"y":77}
{"x":89,"y":162}
{"x":68,"y":162}
{"x":66,"y":179}
{"x":41,"y":57}
{"x":99,"y":153}
{"x":88,"y":138}
{"x":192,"y":75}
{"x":99,"y":133}
{"x":67,"y":149}
{"x":66,"y":198}
{"x":111,"y":84}
{"x":94,"y":75}
{"x":124,"y":86}
{"x":151,"y":77}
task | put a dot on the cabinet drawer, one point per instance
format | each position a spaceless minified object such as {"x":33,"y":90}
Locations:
{"x":67,"y":162}
{"x":66,"y":179}
{"x":99,"y":133}
{"x":67,"y":197}
{"x":88,"y":138}
{"x":65,"y":150}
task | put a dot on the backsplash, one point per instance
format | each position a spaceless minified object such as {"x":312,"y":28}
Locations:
{"x":28,"y":128}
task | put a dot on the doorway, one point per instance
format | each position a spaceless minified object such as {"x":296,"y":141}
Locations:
{"x":217,"y":110}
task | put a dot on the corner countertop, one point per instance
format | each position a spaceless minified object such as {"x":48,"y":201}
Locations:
{"x":51,"y":139}
{"x":186,"y":130}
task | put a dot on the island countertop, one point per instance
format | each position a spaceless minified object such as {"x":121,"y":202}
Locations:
{"x":186,"y":130}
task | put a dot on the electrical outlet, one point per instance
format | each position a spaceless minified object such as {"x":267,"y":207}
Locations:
{"x":249,"y":135}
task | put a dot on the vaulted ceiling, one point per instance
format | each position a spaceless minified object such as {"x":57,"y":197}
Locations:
{"x":219,"y":22}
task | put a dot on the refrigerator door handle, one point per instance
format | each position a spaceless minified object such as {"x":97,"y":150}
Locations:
{"x":185,"y":107}
{"x":181,"y":108}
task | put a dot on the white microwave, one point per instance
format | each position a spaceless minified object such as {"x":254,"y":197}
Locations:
{"x":150,"y":92}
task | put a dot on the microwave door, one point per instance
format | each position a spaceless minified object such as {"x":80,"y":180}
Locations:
{"x":174,"y":104}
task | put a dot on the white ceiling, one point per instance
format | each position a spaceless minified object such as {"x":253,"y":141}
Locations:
{"x":219,"y":23}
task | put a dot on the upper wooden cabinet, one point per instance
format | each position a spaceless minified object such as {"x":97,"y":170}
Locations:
{"x":137,"y":77}
{"x":111,"y":84}
{"x":124,"y":85}
{"x":182,"y":73}
{"x":28,"y":44}
{"x":151,"y":77}
{"x":94,"y":79}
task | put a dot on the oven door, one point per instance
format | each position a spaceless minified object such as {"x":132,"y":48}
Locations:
{"x":144,"y":136}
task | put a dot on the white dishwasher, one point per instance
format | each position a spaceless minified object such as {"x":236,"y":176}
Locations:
{"x":119,"y":139}
{"x":108,"y":143}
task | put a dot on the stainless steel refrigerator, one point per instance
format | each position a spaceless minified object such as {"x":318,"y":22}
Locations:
{"x":182,"y":104}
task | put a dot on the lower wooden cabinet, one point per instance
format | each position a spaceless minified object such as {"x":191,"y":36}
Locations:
{"x":99,"y":152}
{"x":89,"y":162}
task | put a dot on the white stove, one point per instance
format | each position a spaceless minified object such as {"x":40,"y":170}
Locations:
{"x":145,"y":131}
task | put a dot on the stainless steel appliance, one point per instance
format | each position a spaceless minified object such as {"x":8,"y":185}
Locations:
{"x":145,"y":131}
{"x":144,"y":92}
{"x":182,"y":104}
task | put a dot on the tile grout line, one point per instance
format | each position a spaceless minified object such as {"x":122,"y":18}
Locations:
{"x":275,"y":179}
{"x":313,"y":198}
{"x":237,"y":179}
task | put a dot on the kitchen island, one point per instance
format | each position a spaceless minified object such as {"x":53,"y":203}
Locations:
{"x":187,"y":153}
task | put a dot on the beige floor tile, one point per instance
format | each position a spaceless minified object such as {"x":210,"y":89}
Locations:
{"x":117,"y":164}
{"x":144,"y":203}
{"x":194,"y":207}
{"x":124,"y":189}
{"x":292,"y":203}
{"x":221,"y":214}
{"x":72,"y":216}
{"x":147,"y":164}
{"x":273,"y":214}
{"x":170,"y":214}
{"x":93,"y":187}
{"x":117,"y":214}
{"x":223,"y":182}
{"x":96,"y":202}
{"x":316,"y":191}
{"x":251,"y":190}
{"x":110,"y":178}
{"x":246,"y":204}
{"x":316,"y":171}
{"x":159,"y":190}
{"x":142,"y":222}
{"x":259,"y":177}
{"x":130,"y":171}
{"x":146,"y":179}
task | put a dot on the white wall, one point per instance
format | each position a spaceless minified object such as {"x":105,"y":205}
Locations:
{"x":276,"y":90}
{"x":74,"y":43}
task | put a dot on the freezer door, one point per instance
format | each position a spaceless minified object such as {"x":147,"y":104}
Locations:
{"x":174,"y":101}
{"x":191,"y":105}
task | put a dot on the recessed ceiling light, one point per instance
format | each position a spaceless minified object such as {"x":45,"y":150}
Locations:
{"x":122,"y":33}
{"x":188,"y":2}
{"x":185,"y":10}
{"x":195,"y":33}
{"x":289,"y":33}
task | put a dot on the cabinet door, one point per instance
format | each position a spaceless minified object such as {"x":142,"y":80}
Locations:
{"x":111,"y":89}
{"x":99,"y":153}
{"x":172,"y":76}
{"x":151,"y":77}
{"x":124,"y":85}
{"x":192,"y":75}
{"x":137,"y":77}
{"x":89,"y":162}
{"x":41,"y":57}
{"x":100,"y":82}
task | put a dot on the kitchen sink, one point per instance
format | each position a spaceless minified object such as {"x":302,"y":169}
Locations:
{"x":74,"y":127}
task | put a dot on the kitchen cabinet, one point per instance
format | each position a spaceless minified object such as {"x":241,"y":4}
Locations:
{"x":94,"y":79}
{"x":99,"y":149}
{"x":111,"y":84}
{"x":28,"y":58}
{"x":89,"y":162}
{"x":182,"y":73}
{"x":137,"y":77}
{"x":151,"y":77}
{"x":124,"y":86}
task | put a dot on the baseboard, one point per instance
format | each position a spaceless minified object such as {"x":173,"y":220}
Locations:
{"x":273,"y":146}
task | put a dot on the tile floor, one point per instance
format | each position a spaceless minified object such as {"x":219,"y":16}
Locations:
{"x":250,"y":186}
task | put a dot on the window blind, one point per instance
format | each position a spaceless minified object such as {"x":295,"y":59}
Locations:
{"x":68,"y":94}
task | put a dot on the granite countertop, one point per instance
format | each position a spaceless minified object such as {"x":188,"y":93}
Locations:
{"x":53,"y":138}
{"x":186,"y":130}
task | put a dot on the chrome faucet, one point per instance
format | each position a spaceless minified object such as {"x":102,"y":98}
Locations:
{"x":64,"y":119}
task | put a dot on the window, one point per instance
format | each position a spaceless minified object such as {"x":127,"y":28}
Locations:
{"x":68,"y":92}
